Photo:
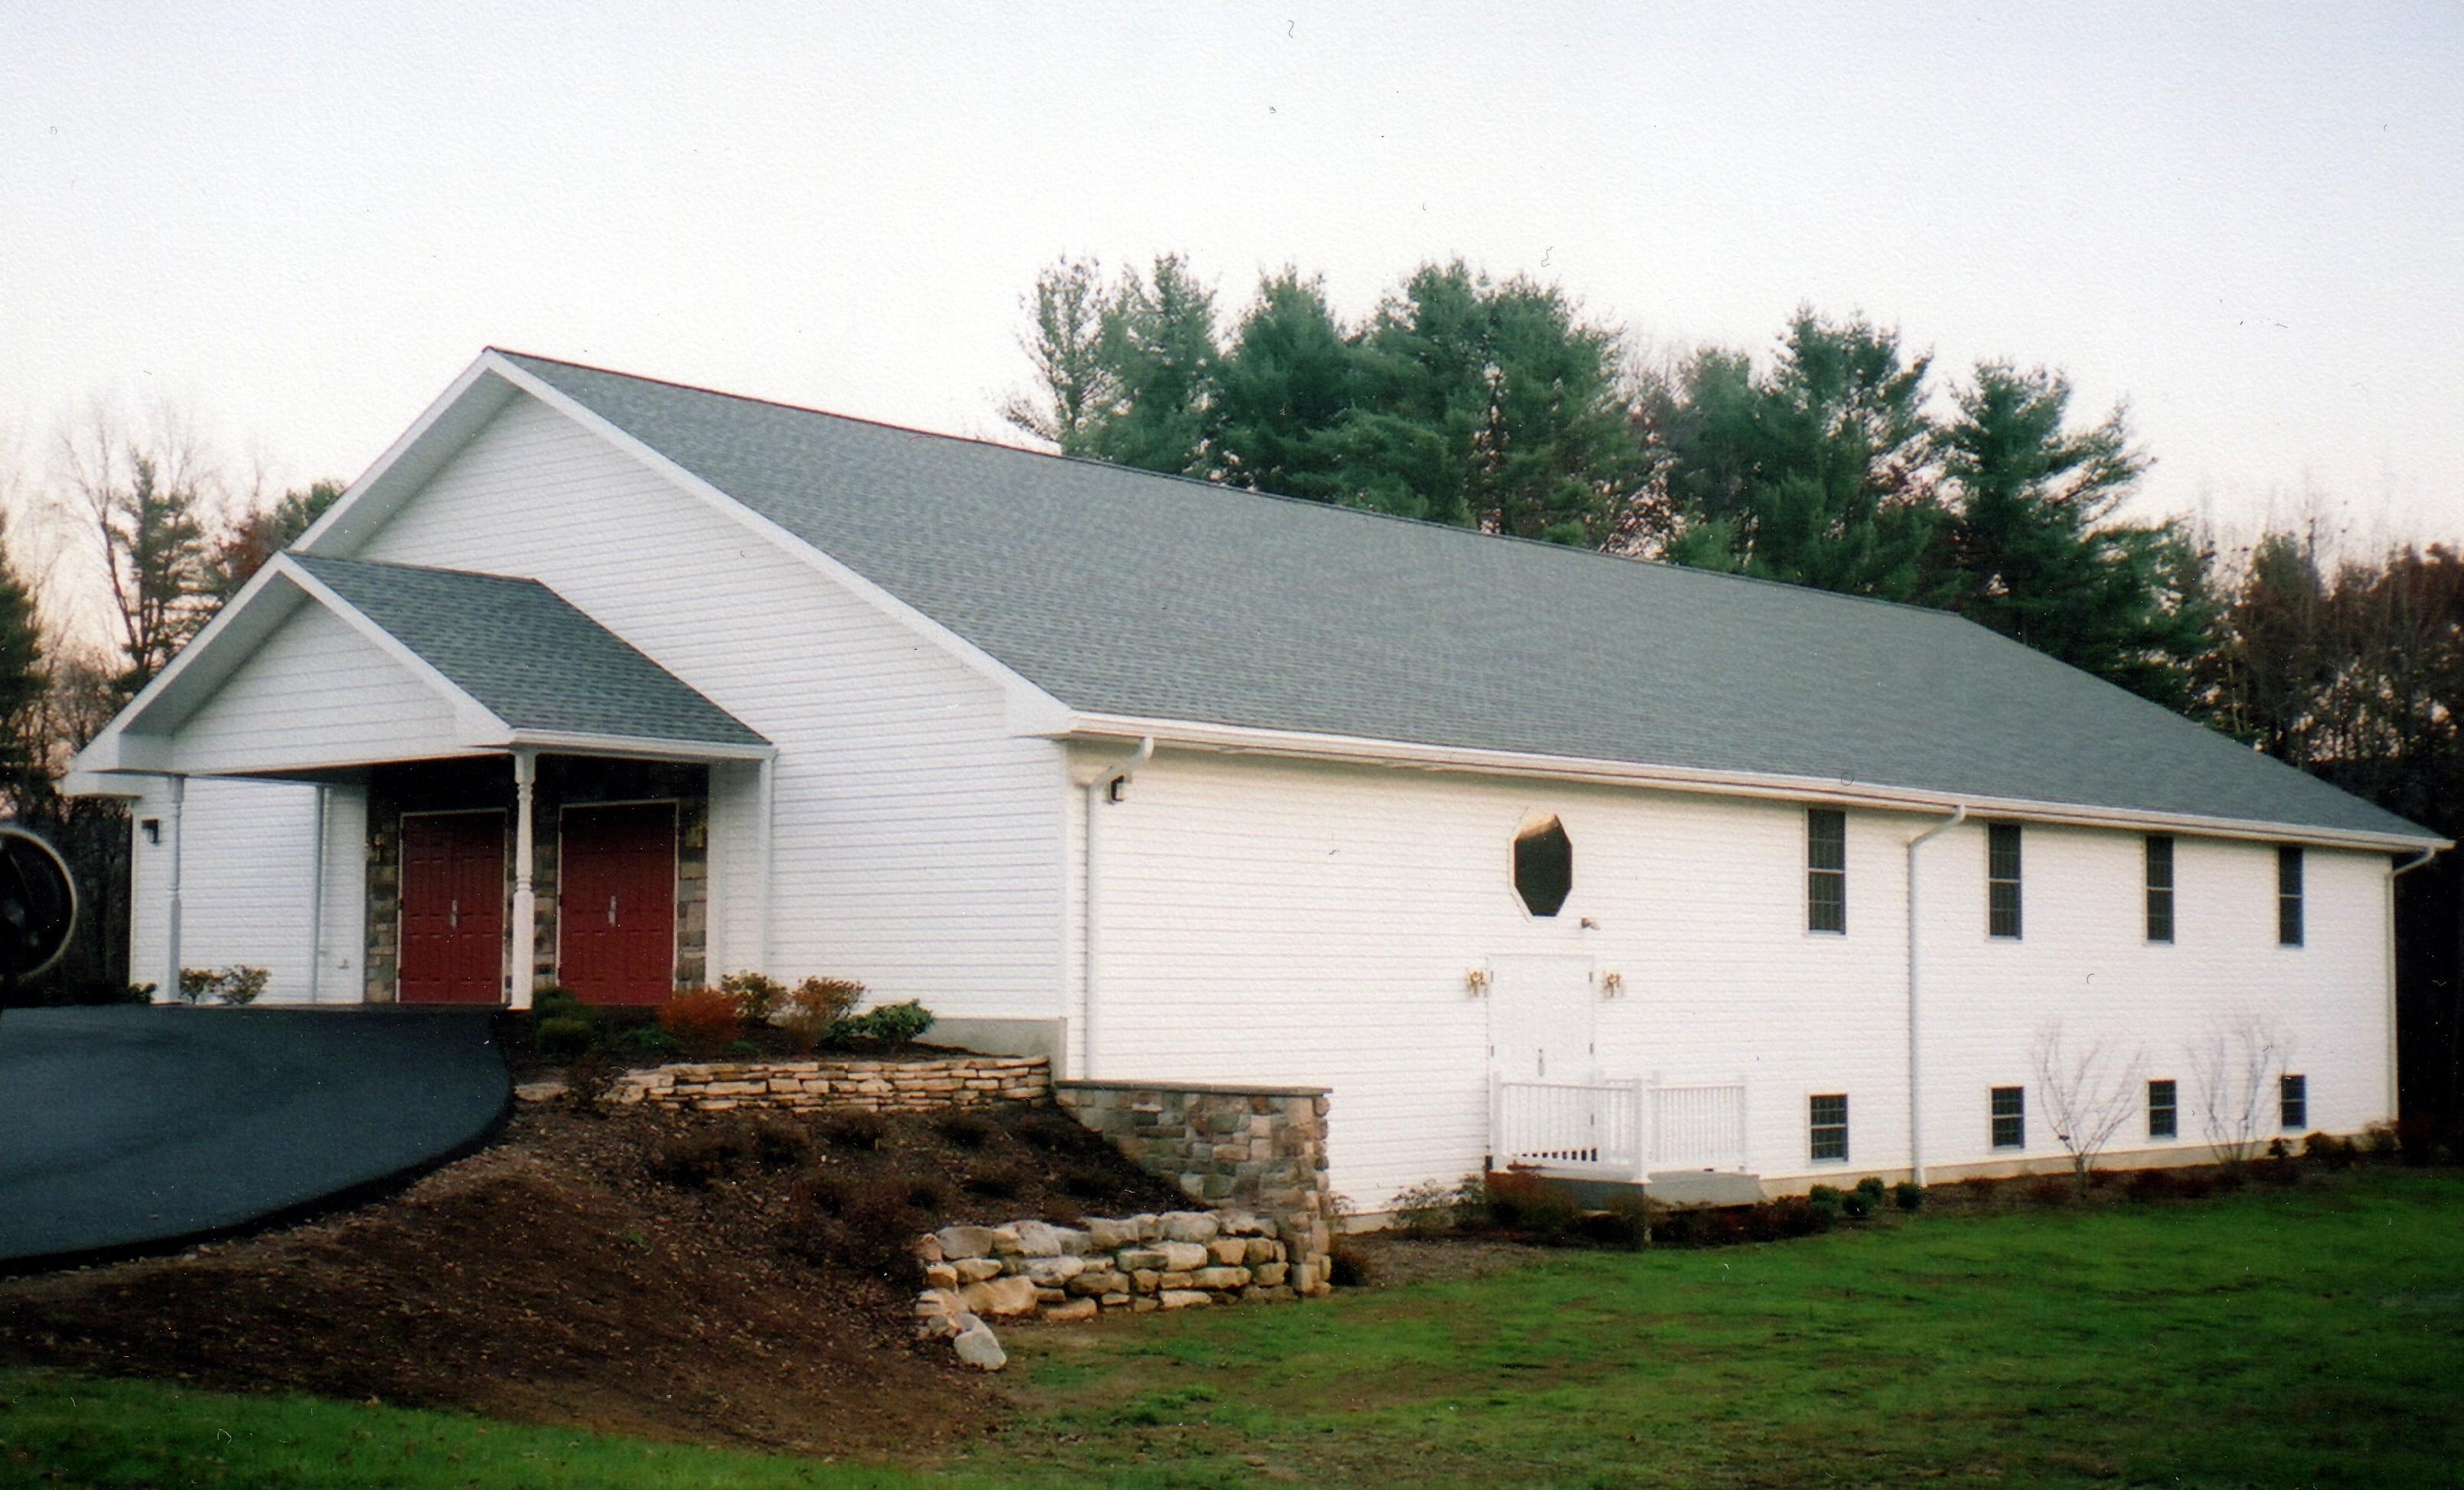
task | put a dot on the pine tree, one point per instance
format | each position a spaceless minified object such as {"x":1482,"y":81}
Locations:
{"x":2034,"y":549}
{"x":1813,"y":473}
{"x":1282,"y":391}
{"x":1075,"y":386}
{"x":1158,"y":342}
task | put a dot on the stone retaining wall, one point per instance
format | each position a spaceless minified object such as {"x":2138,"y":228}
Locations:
{"x":965,"y":1081}
{"x":1137,"y":1264}
{"x":1258,"y":1149}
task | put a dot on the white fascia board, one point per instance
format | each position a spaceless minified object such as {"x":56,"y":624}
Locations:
{"x":443,"y":427}
{"x":477,"y":721}
{"x":202,"y":655}
{"x":637,"y":747}
{"x":1030,"y":709}
{"x":1243,"y":739}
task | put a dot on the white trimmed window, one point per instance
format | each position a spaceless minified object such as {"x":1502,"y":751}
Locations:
{"x":2160,"y":887}
{"x":2163,"y":1110}
{"x":1826,"y":870}
{"x":2288,"y":895}
{"x":2002,"y":880}
{"x":1827,"y":1124}
{"x":2010,"y":1117}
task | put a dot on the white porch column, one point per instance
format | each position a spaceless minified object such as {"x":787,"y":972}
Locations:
{"x":526,"y":901}
{"x":178,"y":796}
{"x":767,"y":790}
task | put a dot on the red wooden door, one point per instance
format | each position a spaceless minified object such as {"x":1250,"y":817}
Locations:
{"x":453,"y":924}
{"x":616,"y":903}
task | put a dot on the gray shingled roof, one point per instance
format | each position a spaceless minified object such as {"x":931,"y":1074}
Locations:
{"x":522,"y":651}
{"x":1122,"y":592}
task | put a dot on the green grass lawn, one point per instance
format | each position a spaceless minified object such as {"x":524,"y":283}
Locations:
{"x":2313,"y":1336}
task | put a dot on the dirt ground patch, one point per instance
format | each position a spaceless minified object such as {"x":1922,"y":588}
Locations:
{"x":719,"y":1278}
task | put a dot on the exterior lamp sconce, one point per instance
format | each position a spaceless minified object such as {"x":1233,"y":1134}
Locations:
{"x":1611,"y":985}
{"x":1476,"y":981}
{"x":152,"y":828}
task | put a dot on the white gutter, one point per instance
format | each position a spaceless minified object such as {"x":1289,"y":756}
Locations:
{"x":1239,"y":739}
{"x":1916,"y":1103}
{"x":1106,"y":778}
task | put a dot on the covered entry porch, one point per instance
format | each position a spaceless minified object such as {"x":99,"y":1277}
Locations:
{"x":506,"y":794}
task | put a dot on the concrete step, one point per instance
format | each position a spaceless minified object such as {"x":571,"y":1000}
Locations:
{"x":1677,"y":1188}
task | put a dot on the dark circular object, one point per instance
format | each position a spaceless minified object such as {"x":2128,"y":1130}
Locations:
{"x":38,"y":904}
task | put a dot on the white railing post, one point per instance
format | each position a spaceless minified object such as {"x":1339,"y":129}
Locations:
{"x":1742,"y":1166}
{"x":1634,"y":1095}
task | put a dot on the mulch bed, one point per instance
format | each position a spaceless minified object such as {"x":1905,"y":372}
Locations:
{"x":723,"y":1279}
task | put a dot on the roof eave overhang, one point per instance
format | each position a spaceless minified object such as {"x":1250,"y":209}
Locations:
{"x":1244,"y":739}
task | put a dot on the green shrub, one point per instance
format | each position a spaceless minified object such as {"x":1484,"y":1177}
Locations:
{"x":195,"y":983}
{"x":645,"y":1040}
{"x":1433,"y":1207}
{"x":240,"y":986}
{"x":1909,"y":1195}
{"x":1856,"y":1205}
{"x":1826,"y":1201}
{"x":563,"y":1037}
{"x":889,"y":1023}
{"x":1872,"y":1188}
{"x":2337,"y":1153}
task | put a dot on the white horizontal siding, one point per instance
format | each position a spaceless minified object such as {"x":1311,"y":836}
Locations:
{"x":1282,"y":922}
{"x":248,"y":872}
{"x":917,"y":844}
{"x":317,"y":692}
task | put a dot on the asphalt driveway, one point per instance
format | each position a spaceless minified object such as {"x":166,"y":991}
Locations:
{"x":126,"y":1128}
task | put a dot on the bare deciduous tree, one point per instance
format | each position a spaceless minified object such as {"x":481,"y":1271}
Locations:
{"x":2236,"y":1067}
{"x":2088,"y":1090}
{"x":144,"y":495}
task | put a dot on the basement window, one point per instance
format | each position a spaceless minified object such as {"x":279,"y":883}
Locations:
{"x":2163,"y":1110}
{"x":1544,"y":866}
{"x":2010,"y":1117}
{"x":2293,"y":1102}
{"x":1828,"y":1120}
{"x":1826,"y":870}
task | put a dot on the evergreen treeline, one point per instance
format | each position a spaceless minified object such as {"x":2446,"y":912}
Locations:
{"x":1836,"y":461}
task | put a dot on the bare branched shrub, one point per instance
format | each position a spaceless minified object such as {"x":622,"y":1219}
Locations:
{"x":2089,"y":1090}
{"x":2236,"y":1067}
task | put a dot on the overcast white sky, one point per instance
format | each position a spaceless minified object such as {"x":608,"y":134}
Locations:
{"x":300,"y":224}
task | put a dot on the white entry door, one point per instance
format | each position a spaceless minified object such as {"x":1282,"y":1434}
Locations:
{"x":1541,"y":1014}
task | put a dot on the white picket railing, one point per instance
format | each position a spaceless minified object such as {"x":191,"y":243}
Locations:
{"x":1699,"y":1127}
{"x":1616,"y":1129}
{"x":1568,"y":1128}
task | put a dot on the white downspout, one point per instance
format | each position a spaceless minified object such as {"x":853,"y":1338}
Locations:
{"x":178,"y":790}
{"x":317,"y":891}
{"x":1915,"y":1103}
{"x":2396,"y":871}
{"x":1106,"y":779}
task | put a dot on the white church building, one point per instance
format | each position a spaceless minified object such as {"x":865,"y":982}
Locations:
{"x":1529,"y":854}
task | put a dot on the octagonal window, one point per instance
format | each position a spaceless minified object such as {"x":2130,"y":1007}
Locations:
{"x":1544,"y":866}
